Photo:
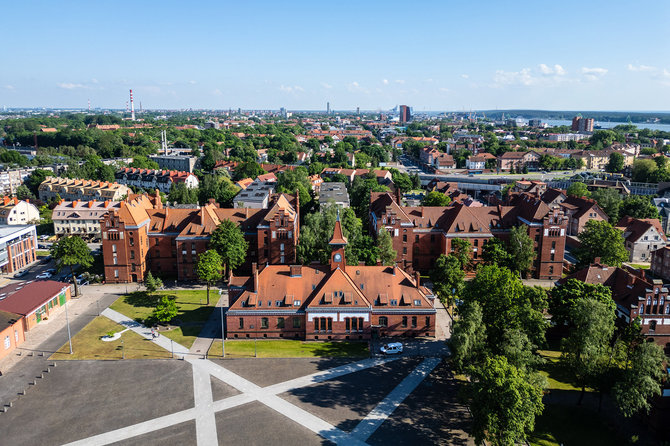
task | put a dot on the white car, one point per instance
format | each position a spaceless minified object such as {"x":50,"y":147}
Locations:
{"x":391,"y":348}
{"x":43,"y":276}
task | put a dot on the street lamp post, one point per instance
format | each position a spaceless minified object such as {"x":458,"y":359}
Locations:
{"x":223,"y":337}
{"x":123,"y":350}
{"x":67,"y":321}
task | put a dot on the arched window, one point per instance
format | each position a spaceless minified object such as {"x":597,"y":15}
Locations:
{"x":648,"y":300}
{"x":641,"y":308}
{"x":404,"y":322}
{"x":383,"y":321}
{"x":667,"y":308}
{"x":652,"y":326}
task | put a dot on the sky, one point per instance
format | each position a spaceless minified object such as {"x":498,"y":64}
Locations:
{"x":431,"y":55}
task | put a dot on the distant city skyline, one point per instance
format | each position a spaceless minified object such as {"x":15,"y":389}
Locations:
{"x":599,"y":55}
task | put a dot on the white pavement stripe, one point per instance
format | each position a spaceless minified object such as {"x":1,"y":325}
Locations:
{"x":233,"y":401}
{"x":136,"y":429}
{"x":311,"y":422}
{"x":385,"y":408}
{"x":225,"y":375}
{"x":318,"y":377}
{"x":205,"y":423}
{"x":162,"y":341}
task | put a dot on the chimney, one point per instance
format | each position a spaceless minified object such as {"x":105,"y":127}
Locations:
{"x":417,"y":278}
{"x":74,"y":203}
{"x":16,"y":200}
{"x":106,"y":203}
{"x":254,"y":271}
{"x":6,"y":200}
{"x":395,"y":266}
{"x":90,"y":204}
{"x":27,"y":200}
{"x":296,"y":270}
{"x":596,"y":260}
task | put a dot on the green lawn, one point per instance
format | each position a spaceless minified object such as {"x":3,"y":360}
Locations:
{"x":572,"y":425}
{"x":638,"y":266}
{"x":192,"y":306}
{"x":281,"y":348}
{"x":558,"y":377}
{"x":87,"y":344}
{"x":42,"y":253}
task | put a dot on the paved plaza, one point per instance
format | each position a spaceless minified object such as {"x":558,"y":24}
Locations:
{"x":192,"y":400}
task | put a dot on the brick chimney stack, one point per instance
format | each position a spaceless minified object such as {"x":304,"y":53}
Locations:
{"x":254,"y":271}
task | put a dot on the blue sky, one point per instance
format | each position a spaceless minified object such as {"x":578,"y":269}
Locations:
{"x":433,"y":55}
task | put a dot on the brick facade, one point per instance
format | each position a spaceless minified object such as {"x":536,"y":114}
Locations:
{"x":143,"y":236}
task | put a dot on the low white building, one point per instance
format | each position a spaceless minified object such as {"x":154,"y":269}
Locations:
{"x":18,"y":212}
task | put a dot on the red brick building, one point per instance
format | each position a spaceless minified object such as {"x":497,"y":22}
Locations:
{"x":11,"y":332}
{"x":143,"y":235}
{"x":635,"y":295}
{"x":335,"y":301}
{"x":421,"y":234}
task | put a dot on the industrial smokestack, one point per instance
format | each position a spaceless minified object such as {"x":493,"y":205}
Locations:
{"x":132,"y":106}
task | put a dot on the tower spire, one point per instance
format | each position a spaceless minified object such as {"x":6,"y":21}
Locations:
{"x":337,"y":242}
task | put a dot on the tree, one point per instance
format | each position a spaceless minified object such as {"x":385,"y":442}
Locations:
{"x":565,"y":298}
{"x":495,"y":252}
{"x":435,"y":198}
{"x":641,"y":379}
{"x":401,"y":180}
{"x":166,"y":309}
{"x":249,"y":169}
{"x":461,"y":250}
{"x":644,"y":170}
{"x":209,"y":268}
{"x":219,"y":187}
{"x":585,"y":350}
{"x":615,"y":163}
{"x":609,"y":201}
{"x":317,"y":230}
{"x":36,"y":178}
{"x":638,"y":206}
{"x":521,"y":250}
{"x":600,"y":239}
{"x":228,"y":240}
{"x":179,"y":193}
{"x":387,"y":254}
{"x":70,"y":251}
{"x":507,"y":304}
{"x":23,"y":193}
{"x":469,"y":338}
{"x":298,"y":179}
{"x":447,"y":277}
{"x":504,"y":402}
{"x":152,"y":283}
{"x":578,"y":189}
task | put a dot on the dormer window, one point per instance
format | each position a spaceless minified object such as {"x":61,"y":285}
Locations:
{"x":417,"y":302}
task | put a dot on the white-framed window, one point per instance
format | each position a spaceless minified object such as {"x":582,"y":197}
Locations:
{"x":7,"y":343}
{"x":116,"y":273}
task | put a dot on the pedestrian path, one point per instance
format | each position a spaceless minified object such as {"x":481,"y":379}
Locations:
{"x":211,"y":330}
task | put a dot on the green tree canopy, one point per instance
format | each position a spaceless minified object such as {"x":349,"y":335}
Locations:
{"x":70,"y":251}
{"x":228,"y":240}
{"x":504,"y":402}
{"x":209,"y":268}
{"x":609,"y":201}
{"x":521,"y":250}
{"x":181,"y":194}
{"x":435,"y":198}
{"x":600,"y":239}
{"x":317,"y":230}
{"x":578,"y":189}
{"x":615,"y":163}
{"x":565,"y":298}
{"x":166,"y":309}
{"x":152,"y":283}
{"x":462,"y":251}
{"x":248,"y":169}
{"x":387,"y":254}
{"x":447,"y":277}
{"x":638,"y":206}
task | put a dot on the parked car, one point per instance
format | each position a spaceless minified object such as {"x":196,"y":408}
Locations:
{"x":391,"y":348}
{"x":43,"y":276}
{"x":46,"y":259}
{"x":20,"y":274}
{"x":51,"y":271}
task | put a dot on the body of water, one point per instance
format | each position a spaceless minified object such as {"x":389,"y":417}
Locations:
{"x":609,"y":125}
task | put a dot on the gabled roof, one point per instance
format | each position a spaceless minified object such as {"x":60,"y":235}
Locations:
{"x":634,"y":228}
{"x":25,"y":297}
{"x":338,"y":290}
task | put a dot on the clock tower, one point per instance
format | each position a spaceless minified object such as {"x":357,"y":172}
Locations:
{"x":337,"y":242}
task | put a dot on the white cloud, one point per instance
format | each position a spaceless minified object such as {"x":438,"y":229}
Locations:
{"x":217,"y":92}
{"x":192,"y":82}
{"x":385,"y":81}
{"x":400,"y":81}
{"x":465,"y":76}
{"x":632,"y":67}
{"x":9,"y":87}
{"x":326,"y":86}
{"x":71,"y":86}
{"x":355,"y":87}
{"x":664,"y":77}
{"x":556,"y":70}
{"x":94,"y":81}
{"x":291,"y":89}
{"x":593,"y":74}
{"x":444,"y":90}
{"x":523,"y":77}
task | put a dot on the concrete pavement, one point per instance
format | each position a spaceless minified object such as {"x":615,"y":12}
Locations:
{"x":212,"y":328}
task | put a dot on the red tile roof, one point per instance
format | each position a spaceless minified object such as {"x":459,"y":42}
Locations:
{"x":25,"y":297}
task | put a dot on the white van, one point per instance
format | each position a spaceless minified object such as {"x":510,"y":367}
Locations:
{"x":391,"y":348}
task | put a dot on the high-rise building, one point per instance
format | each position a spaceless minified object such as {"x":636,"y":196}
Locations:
{"x":327,"y":108}
{"x":580,"y":124}
{"x":404,"y":114}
